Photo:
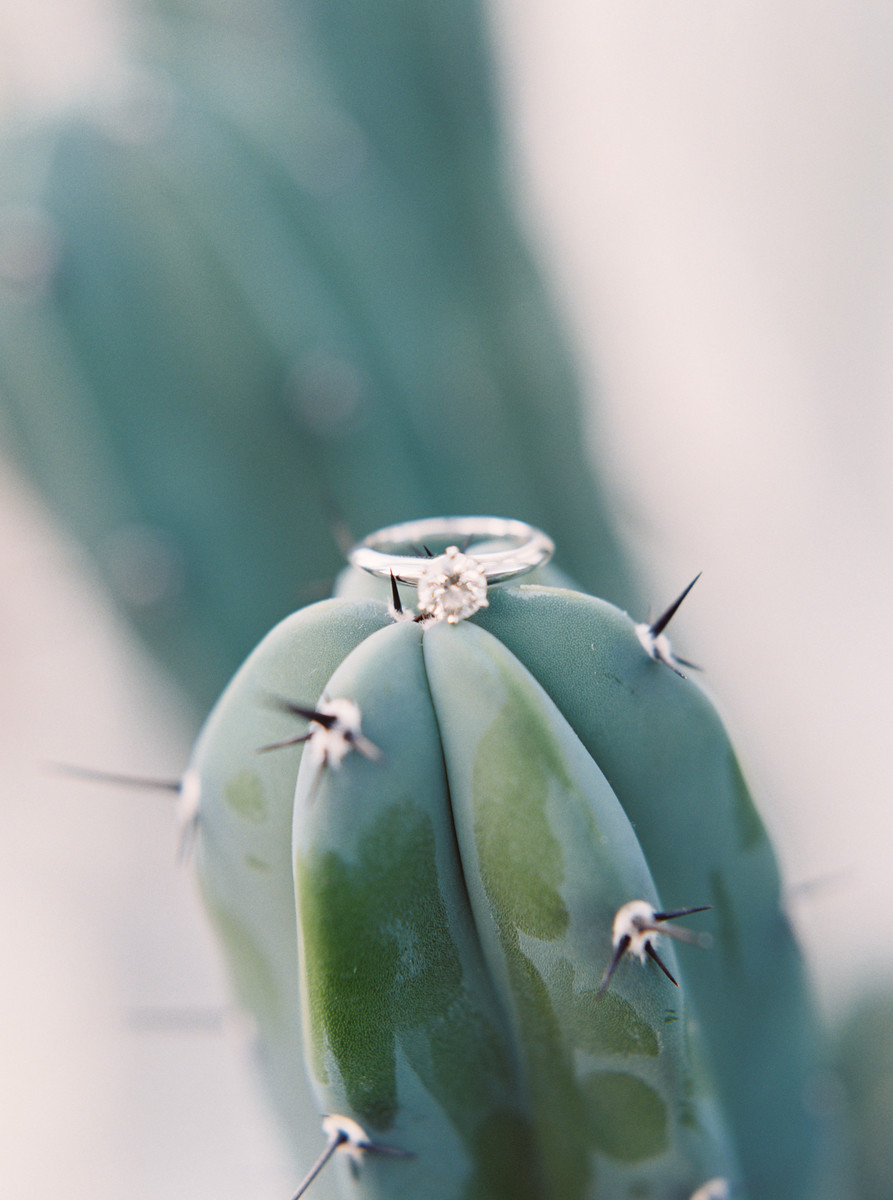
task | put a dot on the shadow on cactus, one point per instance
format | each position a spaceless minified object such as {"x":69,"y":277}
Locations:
{"x":470,"y":819}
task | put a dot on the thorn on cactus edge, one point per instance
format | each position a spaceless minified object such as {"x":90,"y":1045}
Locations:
{"x":396,"y":610}
{"x":92,"y":775}
{"x":187,"y":790}
{"x":343,"y":1133}
{"x":637,"y":926}
{"x":655,"y":642}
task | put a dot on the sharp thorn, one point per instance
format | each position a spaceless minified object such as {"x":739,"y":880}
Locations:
{"x":395,"y":595}
{"x":685,"y":663}
{"x":657,"y":627}
{"x":92,"y":775}
{"x":342,"y":1131}
{"x":653,"y":954}
{"x":672,"y":914}
{"x":292,"y":741}
{"x":338,"y":1138}
{"x":327,"y":720}
{"x":619,"y":951}
{"x":684,"y":935}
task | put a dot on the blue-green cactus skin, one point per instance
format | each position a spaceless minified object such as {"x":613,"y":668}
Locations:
{"x":538,"y":770}
{"x":661,"y":744}
{"x":244,"y":843}
{"x":453,"y":900}
{"x":404,"y":1030}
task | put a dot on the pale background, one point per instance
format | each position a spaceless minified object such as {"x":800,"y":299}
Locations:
{"x":709,"y":187}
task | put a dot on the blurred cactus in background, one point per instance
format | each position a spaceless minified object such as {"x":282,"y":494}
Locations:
{"x":268,"y":288}
{"x":863,"y":1062}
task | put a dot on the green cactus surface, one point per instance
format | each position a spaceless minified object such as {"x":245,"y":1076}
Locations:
{"x":421,"y":916}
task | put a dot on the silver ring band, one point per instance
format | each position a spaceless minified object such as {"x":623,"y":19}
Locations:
{"x":528,"y":547}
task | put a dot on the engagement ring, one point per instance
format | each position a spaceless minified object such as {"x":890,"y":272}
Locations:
{"x":470,"y":553}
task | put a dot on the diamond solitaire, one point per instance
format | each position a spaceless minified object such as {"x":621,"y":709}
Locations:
{"x":452,"y":587}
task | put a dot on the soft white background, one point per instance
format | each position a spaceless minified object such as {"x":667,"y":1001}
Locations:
{"x":709,"y":187}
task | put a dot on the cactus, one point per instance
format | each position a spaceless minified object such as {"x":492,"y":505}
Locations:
{"x":436,"y":858}
{"x":276,"y":291}
{"x":863,"y":1059}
